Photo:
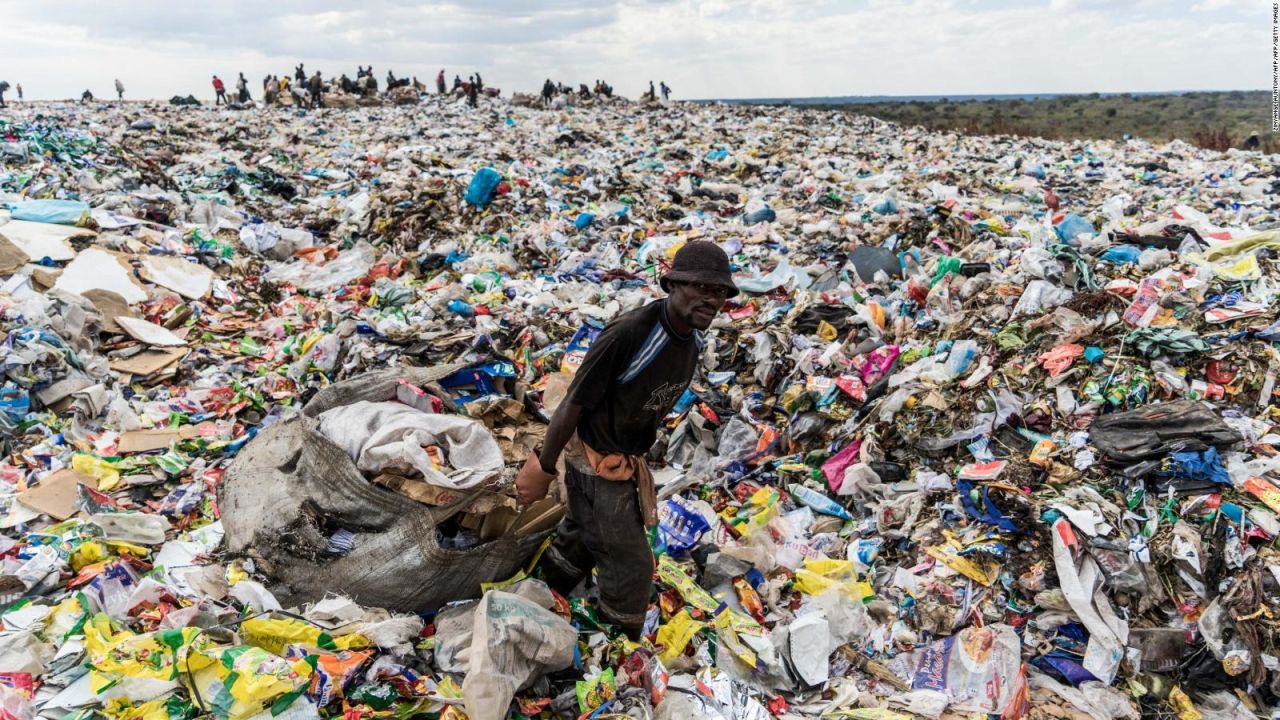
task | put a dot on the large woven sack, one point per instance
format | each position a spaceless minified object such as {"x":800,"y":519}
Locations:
{"x":290,"y":489}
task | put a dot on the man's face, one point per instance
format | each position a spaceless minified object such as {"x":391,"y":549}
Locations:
{"x":696,"y":304}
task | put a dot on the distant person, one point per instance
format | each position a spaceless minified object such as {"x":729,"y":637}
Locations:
{"x":391,"y":81}
{"x":19,"y":89}
{"x":314,"y":87}
{"x":284,"y":85}
{"x":300,"y":75}
{"x":666,"y":91}
{"x":119,"y":89}
{"x":583,"y":90}
{"x":86,"y":97}
{"x":440,"y":86}
{"x":547,"y":91}
{"x":652,"y":95}
{"x":220,"y":92}
{"x":4,"y":87}
{"x":242,"y":89}
{"x":473,"y":93}
{"x":457,"y":83}
{"x":479,"y":83}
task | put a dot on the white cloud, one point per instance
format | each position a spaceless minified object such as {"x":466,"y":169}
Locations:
{"x":702,"y":48}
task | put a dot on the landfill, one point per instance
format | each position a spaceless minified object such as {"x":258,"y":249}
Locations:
{"x":989,"y":431}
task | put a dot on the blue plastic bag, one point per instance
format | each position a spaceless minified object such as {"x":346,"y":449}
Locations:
{"x":583,"y":220}
{"x":885,"y":207}
{"x":1122,"y":254}
{"x":483,"y":185}
{"x":1071,"y":226}
{"x":54,"y":212}
{"x":679,"y":525}
{"x":764,"y":214}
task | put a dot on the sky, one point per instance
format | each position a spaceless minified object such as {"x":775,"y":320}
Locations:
{"x":701,"y":48}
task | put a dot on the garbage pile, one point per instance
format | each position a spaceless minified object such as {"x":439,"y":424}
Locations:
{"x":989,"y":430}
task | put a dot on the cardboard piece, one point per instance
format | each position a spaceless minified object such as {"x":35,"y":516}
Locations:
{"x":148,"y":362}
{"x":136,"y":441}
{"x":11,"y":257}
{"x":99,"y":269}
{"x":43,"y":240}
{"x":55,"y":496}
{"x":149,"y":332}
{"x":434,"y":495}
{"x":541,"y":515}
{"x":111,"y":306}
{"x":73,"y":383}
{"x":190,"y":280}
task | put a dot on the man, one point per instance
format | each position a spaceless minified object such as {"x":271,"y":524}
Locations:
{"x":666,"y":91}
{"x":119,"y":89}
{"x":473,"y":92}
{"x":547,"y":91}
{"x":4,"y":87}
{"x":300,"y":75}
{"x":242,"y":89}
{"x":632,"y":375}
{"x":652,"y":94}
{"x":314,"y":87}
{"x":479,"y":82}
{"x":86,"y":97}
{"x":19,"y":89}
{"x":440,"y":87}
{"x":220,"y":91}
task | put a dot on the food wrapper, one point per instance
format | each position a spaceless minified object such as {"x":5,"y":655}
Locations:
{"x":334,"y":672}
{"x":576,"y":351}
{"x":170,"y":708}
{"x":243,"y":681}
{"x":821,"y":574}
{"x":977,"y":568}
{"x":274,"y":635}
{"x":1182,"y":705}
{"x":67,"y":618}
{"x":160,"y":655}
{"x":106,"y":473}
{"x":1265,"y":491}
{"x":675,"y":636}
{"x":596,"y":691}
{"x":729,"y":639}
{"x":16,"y":691}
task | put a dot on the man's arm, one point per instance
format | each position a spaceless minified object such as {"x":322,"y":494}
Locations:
{"x":559,"y":431}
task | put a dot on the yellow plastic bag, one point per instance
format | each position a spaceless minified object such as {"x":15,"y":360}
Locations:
{"x":161,"y":655}
{"x":273,"y":635}
{"x":980,"y":569}
{"x":675,"y":636}
{"x":1246,"y":268}
{"x":67,"y":619}
{"x":821,"y":574}
{"x":243,"y":681}
{"x":108,"y":477}
{"x":160,"y":709}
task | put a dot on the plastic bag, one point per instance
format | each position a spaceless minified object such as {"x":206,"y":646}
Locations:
{"x":274,"y":635}
{"x":515,"y":642}
{"x":978,"y":668}
{"x":159,"y":655}
{"x":55,"y":212}
{"x":242,"y":681}
{"x":483,"y":184}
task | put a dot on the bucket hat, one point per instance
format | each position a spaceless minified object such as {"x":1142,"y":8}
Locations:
{"x":700,"y":262}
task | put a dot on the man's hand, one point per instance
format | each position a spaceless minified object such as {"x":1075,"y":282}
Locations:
{"x":532,"y":481}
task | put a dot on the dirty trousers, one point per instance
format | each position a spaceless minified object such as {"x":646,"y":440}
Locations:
{"x":603,"y":529}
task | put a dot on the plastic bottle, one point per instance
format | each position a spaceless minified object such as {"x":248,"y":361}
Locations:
{"x":458,"y":307}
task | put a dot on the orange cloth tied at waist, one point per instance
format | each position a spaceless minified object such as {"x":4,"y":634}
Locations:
{"x":619,"y":467}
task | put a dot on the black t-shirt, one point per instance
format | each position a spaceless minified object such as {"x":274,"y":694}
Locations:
{"x":632,"y":375}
